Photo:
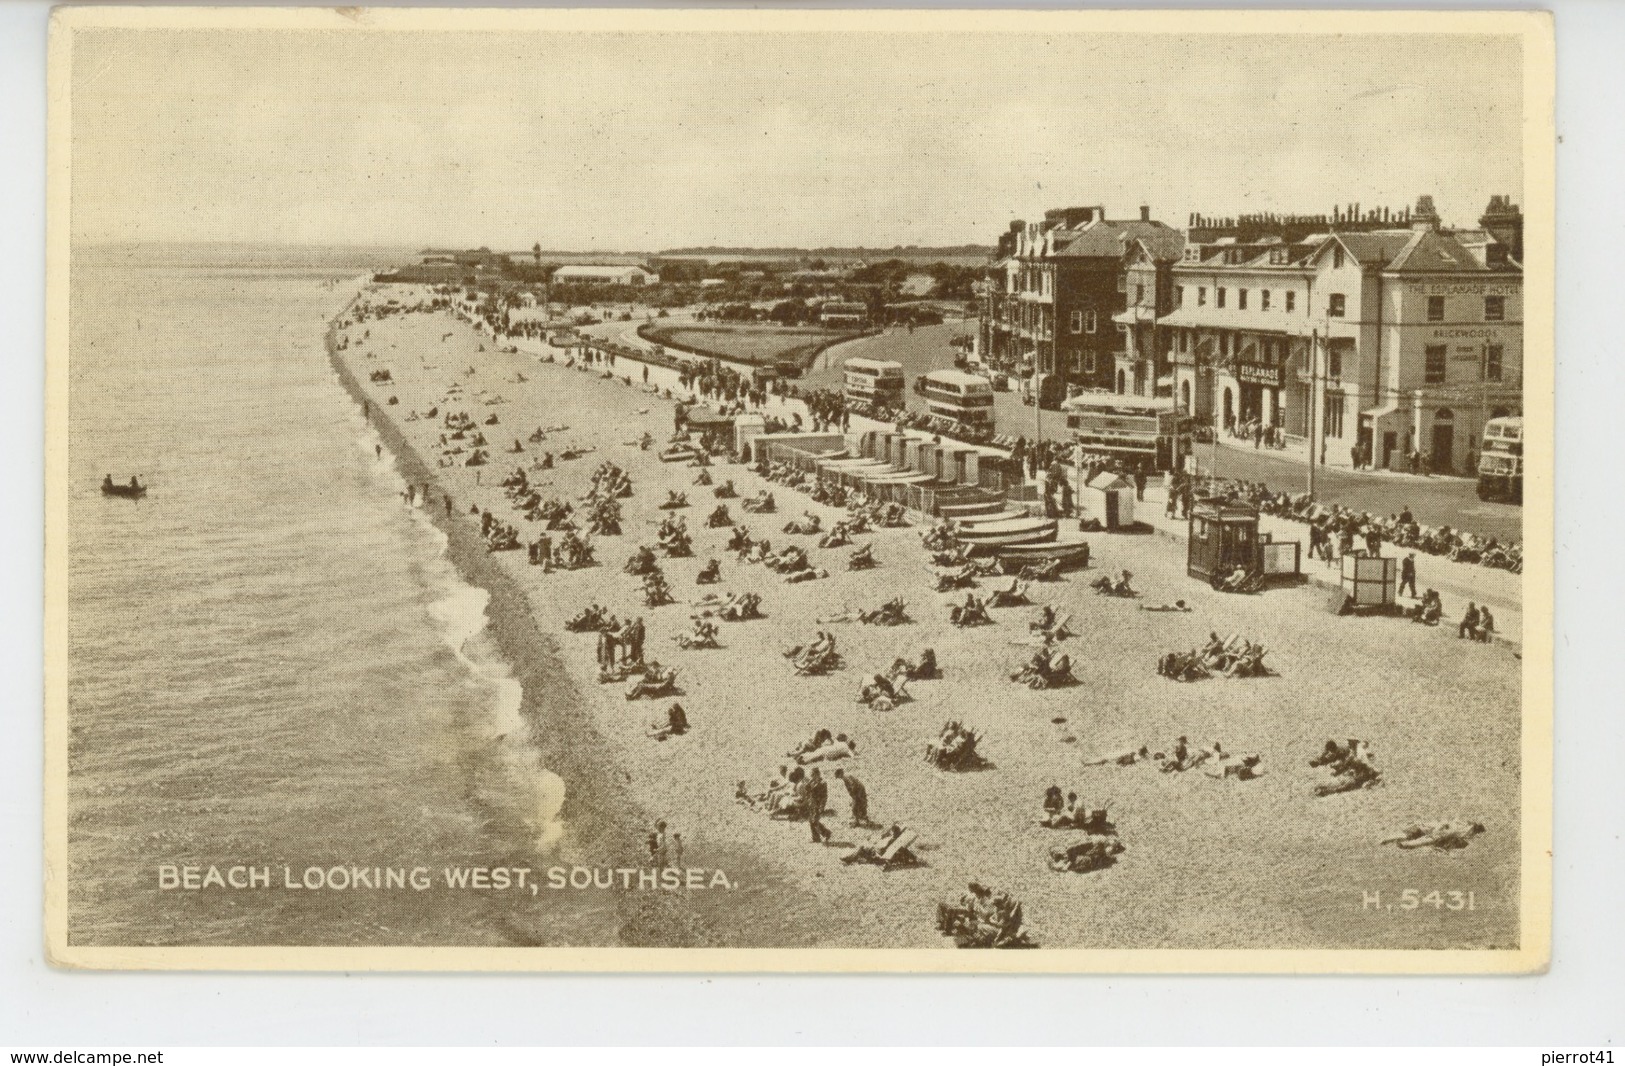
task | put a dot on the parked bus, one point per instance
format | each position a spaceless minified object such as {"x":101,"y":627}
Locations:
{"x":961,"y":398}
{"x":1500,"y":460}
{"x":1141,"y":431}
{"x":873,"y":381}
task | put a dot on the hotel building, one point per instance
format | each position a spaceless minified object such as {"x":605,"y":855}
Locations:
{"x":1055,"y":291}
{"x":1402,"y":338}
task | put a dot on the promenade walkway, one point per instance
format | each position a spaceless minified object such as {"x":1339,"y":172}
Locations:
{"x":1457,"y":583}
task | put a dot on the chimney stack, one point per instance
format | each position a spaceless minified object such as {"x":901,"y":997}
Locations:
{"x":1425,"y":217}
{"x":1145,"y":213}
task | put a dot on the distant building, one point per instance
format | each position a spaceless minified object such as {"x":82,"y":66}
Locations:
{"x":587,"y":274}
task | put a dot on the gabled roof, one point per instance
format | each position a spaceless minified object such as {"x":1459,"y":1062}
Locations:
{"x":1433,"y":253}
{"x":1422,"y":251}
{"x":1107,"y":239}
{"x":1108,"y":480}
{"x":1377,"y":248}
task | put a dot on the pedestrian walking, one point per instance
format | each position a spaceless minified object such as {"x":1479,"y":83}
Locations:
{"x":657,"y":845}
{"x":817,"y":800}
{"x":1139,"y":485}
{"x":859,"y":796}
{"x":634,"y":640}
{"x":448,"y":504}
{"x":1407,"y":573}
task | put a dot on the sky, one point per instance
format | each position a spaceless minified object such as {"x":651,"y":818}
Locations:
{"x":641,"y":142}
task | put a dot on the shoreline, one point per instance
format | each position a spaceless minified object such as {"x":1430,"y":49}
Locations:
{"x":604,"y":824}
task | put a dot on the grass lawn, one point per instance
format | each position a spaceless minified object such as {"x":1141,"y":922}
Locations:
{"x":757,"y":345}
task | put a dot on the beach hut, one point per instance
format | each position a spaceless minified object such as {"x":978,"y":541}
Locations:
{"x":1110,"y":497}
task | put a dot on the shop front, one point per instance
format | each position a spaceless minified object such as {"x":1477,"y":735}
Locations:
{"x":1261,"y":386}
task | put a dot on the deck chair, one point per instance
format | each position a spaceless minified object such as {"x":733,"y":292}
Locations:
{"x":889,"y":856}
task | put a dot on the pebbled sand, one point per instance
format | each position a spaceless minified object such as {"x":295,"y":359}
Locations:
{"x":1208,"y":863}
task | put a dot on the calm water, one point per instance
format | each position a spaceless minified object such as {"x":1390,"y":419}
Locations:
{"x":272,"y":664}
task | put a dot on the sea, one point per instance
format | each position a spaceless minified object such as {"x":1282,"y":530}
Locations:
{"x":274,"y":668}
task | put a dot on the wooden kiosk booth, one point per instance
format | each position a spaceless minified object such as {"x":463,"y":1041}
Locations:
{"x":1224,"y":537}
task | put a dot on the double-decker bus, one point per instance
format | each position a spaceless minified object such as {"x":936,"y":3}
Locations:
{"x":1500,"y":460}
{"x":1141,"y":431}
{"x":961,"y":398}
{"x":873,"y":381}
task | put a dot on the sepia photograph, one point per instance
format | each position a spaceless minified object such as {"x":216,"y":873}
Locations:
{"x":799,"y":491}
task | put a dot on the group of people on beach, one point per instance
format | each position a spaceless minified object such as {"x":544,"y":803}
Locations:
{"x":801,"y":789}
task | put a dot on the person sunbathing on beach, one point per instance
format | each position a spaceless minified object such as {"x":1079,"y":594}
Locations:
{"x":819,"y":739}
{"x":1244,"y":768}
{"x":1177,"y":605}
{"x":1444,"y":836}
{"x":1127,"y":757}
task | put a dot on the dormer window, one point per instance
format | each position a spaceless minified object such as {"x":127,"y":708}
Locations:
{"x":1277,"y":256}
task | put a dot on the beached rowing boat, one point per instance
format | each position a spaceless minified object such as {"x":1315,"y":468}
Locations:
{"x":984,"y":537}
{"x":1072,"y":555}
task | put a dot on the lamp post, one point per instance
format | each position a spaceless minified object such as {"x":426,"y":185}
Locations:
{"x":1314,"y":405}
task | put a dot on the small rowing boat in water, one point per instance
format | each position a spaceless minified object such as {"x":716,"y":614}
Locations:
{"x":133,"y":491}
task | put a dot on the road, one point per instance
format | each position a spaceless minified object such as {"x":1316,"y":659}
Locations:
{"x":1433,"y":500}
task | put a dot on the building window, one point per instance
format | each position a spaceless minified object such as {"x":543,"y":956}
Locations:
{"x":1179,"y":296}
{"x":1291,"y":300}
{"x":1492,"y":362}
{"x":1089,"y":362}
{"x":1088,"y":321}
{"x":1122,"y":283}
{"x":1334,"y":364}
{"x":1334,"y":305}
{"x":1139,"y":294}
{"x":1435,"y":308}
{"x":1332,"y":421}
{"x":1337,"y":256}
{"x":1077,"y":322}
{"x":1218,"y":297}
{"x":1185,"y":340}
{"x":1201,"y":296}
{"x":1241,"y":299}
{"x":1434,"y":371}
{"x":1263,"y":299}
{"x":1495,"y":308}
